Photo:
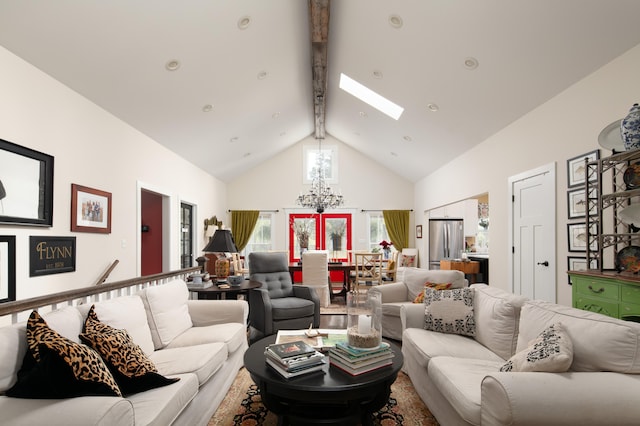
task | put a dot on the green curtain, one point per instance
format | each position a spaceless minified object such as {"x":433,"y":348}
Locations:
{"x":397,"y":223}
{"x":242,"y":224}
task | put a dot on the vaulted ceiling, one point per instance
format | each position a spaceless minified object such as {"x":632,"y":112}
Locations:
{"x":244,"y":87}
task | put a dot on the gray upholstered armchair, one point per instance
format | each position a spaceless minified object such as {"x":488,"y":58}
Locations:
{"x":278,"y":304}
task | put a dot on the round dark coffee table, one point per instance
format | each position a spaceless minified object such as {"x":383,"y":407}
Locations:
{"x":334,"y":397}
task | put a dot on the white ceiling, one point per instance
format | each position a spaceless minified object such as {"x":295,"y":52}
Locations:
{"x":114,"y":53}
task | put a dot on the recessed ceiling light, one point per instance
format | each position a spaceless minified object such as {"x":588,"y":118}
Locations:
{"x":363,"y":114}
{"x":243,"y":23}
{"x":377,"y":74}
{"x":246,"y":154}
{"x":275,"y":115}
{"x":395,"y":21}
{"x":283,"y":133}
{"x":262,"y":75}
{"x":433,"y":107}
{"x":370,"y":97}
{"x":233,"y":139}
{"x":407,"y":138}
{"x":172,"y":65}
{"x":470,"y":63}
{"x":393,"y":154}
{"x":207,"y":108}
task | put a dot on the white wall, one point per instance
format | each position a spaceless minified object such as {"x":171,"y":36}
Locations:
{"x":92,"y":148}
{"x":364,"y":183}
{"x":564,"y":127}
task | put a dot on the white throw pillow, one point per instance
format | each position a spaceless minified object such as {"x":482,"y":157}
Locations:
{"x":167,"y":311}
{"x":551,"y":351}
{"x":449,"y":311}
{"x":127,"y":313}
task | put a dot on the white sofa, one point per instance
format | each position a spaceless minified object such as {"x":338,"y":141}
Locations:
{"x":200,"y":341}
{"x":459,"y":377}
{"x":409,"y":283}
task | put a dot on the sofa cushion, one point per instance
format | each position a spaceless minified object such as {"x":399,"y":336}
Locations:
{"x":127,"y":313}
{"x":415,"y":278}
{"x":132,"y":369}
{"x":600,"y":343}
{"x":56,"y":367}
{"x":459,"y":381}
{"x":408,"y":260}
{"x":167,"y":311}
{"x":13,"y":346}
{"x":449,"y":311}
{"x":551,"y":351}
{"x":430,"y":344}
{"x":201,"y":360}
{"x":161,"y":406}
{"x":232,"y":334}
{"x":497,"y":316}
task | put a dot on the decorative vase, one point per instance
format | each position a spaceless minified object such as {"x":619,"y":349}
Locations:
{"x":630,"y":128}
{"x":386,"y":252}
{"x":364,"y":320}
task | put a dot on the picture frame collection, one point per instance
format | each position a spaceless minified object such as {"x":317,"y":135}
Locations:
{"x":577,"y":205}
{"x":26,"y":198}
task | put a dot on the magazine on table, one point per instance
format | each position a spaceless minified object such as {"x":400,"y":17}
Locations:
{"x":296,"y":348}
{"x":289,"y":374}
{"x":297,"y":361}
{"x":323,"y":340}
{"x":357,"y":371}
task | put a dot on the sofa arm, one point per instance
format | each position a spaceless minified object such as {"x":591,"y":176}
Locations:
{"x":573,"y":398}
{"x":412,"y":316}
{"x":210,"y":312}
{"x":392,"y":292}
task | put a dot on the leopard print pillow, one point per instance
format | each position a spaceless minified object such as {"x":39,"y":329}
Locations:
{"x":116,"y":347}
{"x":56,"y":367}
{"x":132,"y":369}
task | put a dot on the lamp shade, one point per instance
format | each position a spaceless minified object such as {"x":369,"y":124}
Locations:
{"x":221,"y":242}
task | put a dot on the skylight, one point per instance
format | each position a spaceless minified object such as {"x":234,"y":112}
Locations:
{"x":370,"y":97}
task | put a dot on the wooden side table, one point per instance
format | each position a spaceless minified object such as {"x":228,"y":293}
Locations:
{"x":215,"y":292}
{"x":470,"y":268}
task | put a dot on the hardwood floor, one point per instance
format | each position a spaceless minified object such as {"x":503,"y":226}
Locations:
{"x":333,"y":321}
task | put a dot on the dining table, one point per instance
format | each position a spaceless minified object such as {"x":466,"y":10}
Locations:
{"x":344,"y":267}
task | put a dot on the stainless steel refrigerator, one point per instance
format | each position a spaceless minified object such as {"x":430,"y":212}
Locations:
{"x":446,"y":240}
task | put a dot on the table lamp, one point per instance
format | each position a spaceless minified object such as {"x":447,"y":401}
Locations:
{"x":221,"y":242}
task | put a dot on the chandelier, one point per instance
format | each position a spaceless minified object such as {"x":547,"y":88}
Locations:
{"x":320,"y":196}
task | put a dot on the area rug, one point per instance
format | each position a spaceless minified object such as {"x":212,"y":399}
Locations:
{"x":243,"y":407}
{"x":334,"y":309}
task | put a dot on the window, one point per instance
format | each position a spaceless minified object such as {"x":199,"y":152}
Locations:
{"x":329,"y":163}
{"x":377,"y":231}
{"x":261,"y":238}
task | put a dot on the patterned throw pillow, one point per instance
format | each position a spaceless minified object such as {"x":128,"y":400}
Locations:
{"x":449,"y":311}
{"x":408,"y":260}
{"x":56,"y":367}
{"x":130,"y":366}
{"x":551,"y":351}
{"x":420,"y":297}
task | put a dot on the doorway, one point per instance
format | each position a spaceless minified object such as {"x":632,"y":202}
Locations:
{"x":533,"y":230}
{"x":154,"y":231}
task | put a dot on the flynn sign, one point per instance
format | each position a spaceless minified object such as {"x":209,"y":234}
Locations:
{"x":51,"y":255}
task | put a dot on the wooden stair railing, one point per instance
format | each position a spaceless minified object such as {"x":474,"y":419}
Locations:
{"x":93,"y":293}
{"x":104,"y":276}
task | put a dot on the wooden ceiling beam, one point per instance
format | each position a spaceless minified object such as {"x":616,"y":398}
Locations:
{"x":319,"y":24}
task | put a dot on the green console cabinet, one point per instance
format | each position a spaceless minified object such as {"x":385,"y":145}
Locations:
{"x":607,"y":293}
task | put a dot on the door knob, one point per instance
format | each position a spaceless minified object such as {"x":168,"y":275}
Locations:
{"x":545,"y":263}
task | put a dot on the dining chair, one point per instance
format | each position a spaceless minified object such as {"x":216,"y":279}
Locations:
{"x":391,"y":267}
{"x":368,"y":269}
{"x":315,"y":274}
{"x":238,"y":265}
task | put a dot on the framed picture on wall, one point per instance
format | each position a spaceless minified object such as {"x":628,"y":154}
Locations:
{"x":575,"y":263}
{"x":26,"y":186}
{"x":418,"y":231}
{"x":7,"y":268}
{"x":577,"y":236}
{"x":90,"y":210}
{"x":576,"y":168}
{"x":576,"y":203}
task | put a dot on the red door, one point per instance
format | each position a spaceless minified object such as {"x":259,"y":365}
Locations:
{"x":327,"y":231}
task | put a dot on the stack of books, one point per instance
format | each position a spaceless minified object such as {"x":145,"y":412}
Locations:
{"x":359,"y":361}
{"x":294,"y":359}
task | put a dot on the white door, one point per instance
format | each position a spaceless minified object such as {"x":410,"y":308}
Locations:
{"x":533,"y":233}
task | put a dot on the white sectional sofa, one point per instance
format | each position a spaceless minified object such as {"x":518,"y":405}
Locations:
{"x":459,"y":378}
{"x":202,"y":342}
{"x":409,"y":283}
